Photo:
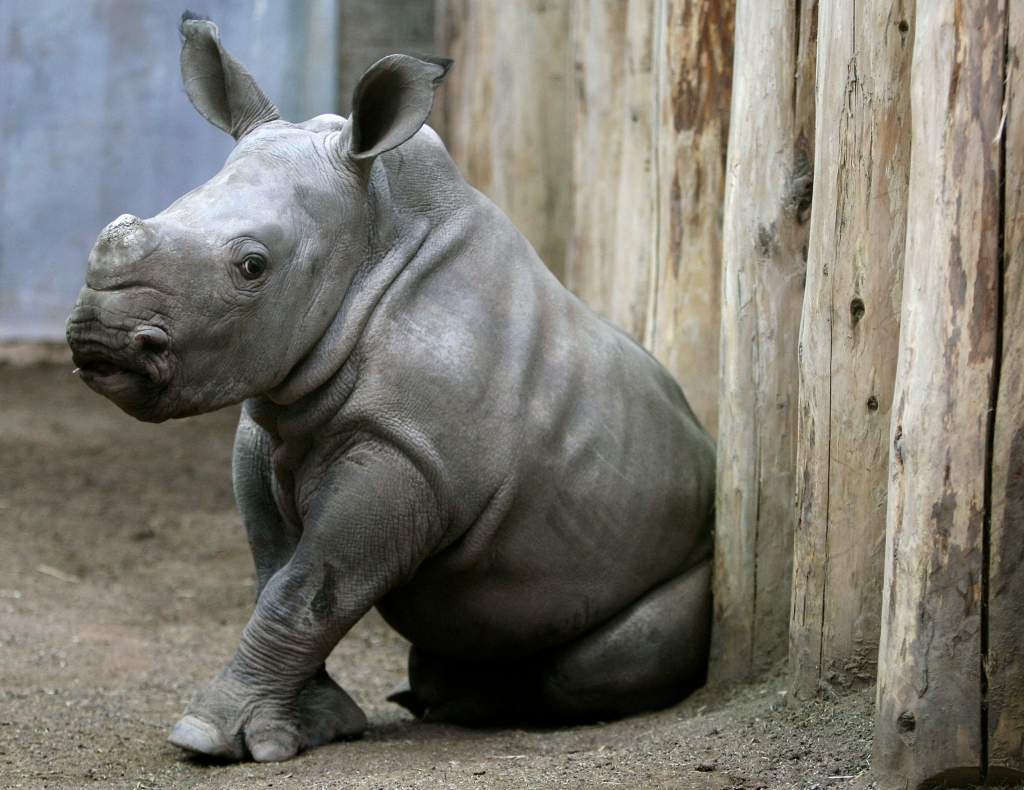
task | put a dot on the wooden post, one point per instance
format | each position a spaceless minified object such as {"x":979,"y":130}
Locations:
{"x":614,"y":238}
{"x":929,"y":724}
{"x":366,"y":32}
{"x":598,"y":32}
{"x":1005,"y":649}
{"x":505,"y":108}
{"x":767,"y":201}
{"x":694,"y":83}
{"x":849,"y":338}
{"x":651,"y":124}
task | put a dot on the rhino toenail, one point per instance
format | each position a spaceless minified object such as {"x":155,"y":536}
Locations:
{"x":274,"y":750}
{"x":199,"y":736}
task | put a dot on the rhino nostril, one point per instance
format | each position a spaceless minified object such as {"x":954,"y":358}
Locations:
{"x":151,"y":338}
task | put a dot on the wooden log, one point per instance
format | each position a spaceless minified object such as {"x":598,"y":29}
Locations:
{"x":693,"y":80}
{"x":368,"y":30}
{"x":614,"y":230}
{"x":505,"y":111}
{"x":1005,"y":649}
{"x":598,"y":33}
{"x":929,"y":719}
{"x":652,"y":95}
{"x":767,"y":198}
{"x":849,"y":338}
{"x":635,"y":242}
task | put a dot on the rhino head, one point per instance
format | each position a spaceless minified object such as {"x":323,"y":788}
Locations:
{"x":219,"y":296}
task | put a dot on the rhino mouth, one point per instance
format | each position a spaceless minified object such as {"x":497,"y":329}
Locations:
{"x":133,"y":372}
{"x":101,"y":369}
{"x":105,"y":369}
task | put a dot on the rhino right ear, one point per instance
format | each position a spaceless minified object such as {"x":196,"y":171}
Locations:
{"x":392,"y":101}
{"x":217,"y":83}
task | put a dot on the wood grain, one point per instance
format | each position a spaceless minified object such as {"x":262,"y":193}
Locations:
{"x":506,"y":111}
{"x":850,"y":338}
{"x":694,"y":86}
{"x":614,"y":230}
{"x":651,"y":112}
{"x":1005,"y":659}
{"x":767,"y":201}
{"x":598,"y":32}
{"x":928,"y":724}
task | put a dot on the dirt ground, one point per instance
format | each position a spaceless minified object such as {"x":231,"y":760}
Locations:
{"x":125,"y":581}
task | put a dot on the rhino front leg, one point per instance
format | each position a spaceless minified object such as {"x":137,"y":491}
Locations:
{"x":271,"y":539}
{"x":324,"y":711}
{"x":366,"y":531}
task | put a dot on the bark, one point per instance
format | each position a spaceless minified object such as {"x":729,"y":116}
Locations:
{"x":694,"y":86}
{"x":651,"y":112}
{"x":612,"y":250}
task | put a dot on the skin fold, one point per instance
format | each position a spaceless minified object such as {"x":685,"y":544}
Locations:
{"x":432,"y":425}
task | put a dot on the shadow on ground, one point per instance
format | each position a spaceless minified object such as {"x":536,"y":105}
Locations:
{"x":125,"y":581}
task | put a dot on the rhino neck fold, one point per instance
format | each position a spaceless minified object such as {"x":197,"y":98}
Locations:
{"x":332,"y":351}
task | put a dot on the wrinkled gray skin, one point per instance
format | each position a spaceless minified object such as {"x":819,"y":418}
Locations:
{"x":432,"y":425}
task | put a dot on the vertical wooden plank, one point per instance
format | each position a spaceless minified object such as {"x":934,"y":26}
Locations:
{"x":465,"y":31}
{"x":1005,"y":663}
{"x":693,"y":81}
{"x":652,"y":81}
{"x":767,"y":199}
{"x":612,"y":251}
{"x":366,"y":31}
{"x":635,"y":217}
{"x":849,"y":338}
{"x":506,"y":117}
{"x":928,"y":724}
{"x":598,"y":33}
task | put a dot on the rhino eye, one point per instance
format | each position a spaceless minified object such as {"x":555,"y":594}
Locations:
{"x":252,"y":267}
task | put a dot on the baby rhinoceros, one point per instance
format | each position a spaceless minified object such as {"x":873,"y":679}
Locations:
{"x":432,"y":425}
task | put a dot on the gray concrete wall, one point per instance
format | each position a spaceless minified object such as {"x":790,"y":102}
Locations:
{"x":94,"y":123}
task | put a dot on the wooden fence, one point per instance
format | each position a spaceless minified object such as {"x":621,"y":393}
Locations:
{"x":836,"y":278}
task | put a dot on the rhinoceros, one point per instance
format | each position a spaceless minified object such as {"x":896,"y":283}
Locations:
{"x":431,"y":424}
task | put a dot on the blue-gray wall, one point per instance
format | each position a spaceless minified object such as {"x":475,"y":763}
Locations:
{"x":94,"y":123}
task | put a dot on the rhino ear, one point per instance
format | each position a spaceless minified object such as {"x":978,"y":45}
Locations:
{"x":392,"y":101}
{"x":218,"y":84}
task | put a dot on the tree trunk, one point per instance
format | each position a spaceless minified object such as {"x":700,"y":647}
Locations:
{"x":849,"y":338}
{"x":929,"y":720}
{"x":505,"y":111}
{"x":1005,"y":664}
{"x":767,"y":201}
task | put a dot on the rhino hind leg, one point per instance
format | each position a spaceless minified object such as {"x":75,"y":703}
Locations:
{"x":472,"y":693}
{"x":647,"y":657}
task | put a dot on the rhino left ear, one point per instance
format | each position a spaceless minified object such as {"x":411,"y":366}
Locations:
{"x":392,"y":101}
{"x":217,"y":83}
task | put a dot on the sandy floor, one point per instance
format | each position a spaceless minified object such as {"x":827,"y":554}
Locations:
{"x":125,"y":580}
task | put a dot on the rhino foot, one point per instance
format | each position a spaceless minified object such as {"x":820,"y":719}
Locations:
{"x":230,"y":720}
